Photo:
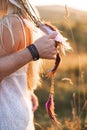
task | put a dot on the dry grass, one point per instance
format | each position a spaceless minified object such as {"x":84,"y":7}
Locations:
{"x":72,"y":61}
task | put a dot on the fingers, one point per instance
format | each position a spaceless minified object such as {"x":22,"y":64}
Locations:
{"x":54,"y":54}
{"x":48,"y":49}
{"x":52,"y":36}
{"x":35,"y":102}
{"x":53,"y":45}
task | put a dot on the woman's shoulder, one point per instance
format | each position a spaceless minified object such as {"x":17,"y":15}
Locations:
{"x":10,"y":18}
{"x":12,"y":32}
{"x":13,"y":19}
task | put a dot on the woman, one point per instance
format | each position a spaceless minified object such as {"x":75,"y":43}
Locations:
{"x":19,"y":73}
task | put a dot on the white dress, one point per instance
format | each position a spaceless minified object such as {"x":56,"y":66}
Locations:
{"x":15,"y":104}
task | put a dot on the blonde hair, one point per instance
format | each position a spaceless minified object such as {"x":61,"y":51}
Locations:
{"x":34,"y":68}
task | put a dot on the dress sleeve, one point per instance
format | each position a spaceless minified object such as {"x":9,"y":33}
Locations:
{"x":12,"y":34}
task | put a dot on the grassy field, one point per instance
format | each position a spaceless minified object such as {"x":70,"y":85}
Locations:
{"x":71,"y":77}
{"x":70,"y":93}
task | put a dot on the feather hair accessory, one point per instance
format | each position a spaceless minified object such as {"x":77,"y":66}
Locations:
{"x":50,"y":106}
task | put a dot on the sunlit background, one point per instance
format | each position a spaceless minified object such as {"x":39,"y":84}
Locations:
{"x":77,"y":4}
{"x":71,"y":77}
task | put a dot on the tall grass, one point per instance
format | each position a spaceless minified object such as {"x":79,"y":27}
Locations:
{"x":70,"y":88}
{"x":70,"y":95}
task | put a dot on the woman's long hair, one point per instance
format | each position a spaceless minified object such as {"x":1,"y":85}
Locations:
{"x":34,"y":68}
{"x":22,"y":9}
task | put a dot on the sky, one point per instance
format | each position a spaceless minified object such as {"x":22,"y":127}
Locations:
{"x":77,"y":4}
